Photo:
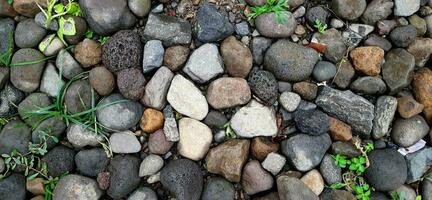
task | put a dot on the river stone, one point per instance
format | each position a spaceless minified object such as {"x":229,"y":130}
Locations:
{"x":405,"y":8}
{"x":387,"y":170}
{"x":80,"y":137}
{"x":183,"y":178}
{"x":150,"y":165}
{"x":305,"y":152}
{"x":143,"y":193}
{"x":78,"y":97}
{"x":170,"y":30}
{"x":421,"y":49}
{"x":407,"y":132}
{"x":139,"y":7}
{"x":426,"y":189}
{"x":67,"y":64}
{"x":403,"y":36}
{"x":13,"y":187}
{"x":119,"y":114}
{"x":153,"y":55}
{"x":344,"y":75}
{"x":32,"y":103}
{"x":59,"y":160}
{"x":290,"y":101}
{"x":80,"y":29}
{"x":7,"y":10}
{"x":75,"y":186}
{"x":193,"y":105}
{"x":228,"y":92}
{"x":91,"y":162}
{"x":217,"y":188}
{"x":268,"y":25}
{"x":291,"y":188}
{"x":375,"y":40}
{"x":418,"y":163}
{"x":15,"y":135}
{"x":254,"y":120}
{"x":175,"y":57}
{"x":312,"y":122}
{"x":102,"y":80}
{"x":28,"y":34}
{"x":124,"y":142}
{"x":349,"y":9}
{"x":170,"y":125}
{"x":255,"y":179}
{"x":330,"y":171}
{"x":331,"y":194}
{"x":124,"y":177}
{"x":27,"y":77}
{"x":131,"y":83}
{"x":157,"y":88}
{"x":259,"y":46}
{"x":7,"y":27}
{"x":377,"y":10}
{"x":324,"y":71}
{"x":398,"y":69}
{"x":204,"y":64}
{"x":335,"y":45}
{"x":107,"y":16}
{"x":369,"y":85}
{"x":51,"y":82}
{"x":195,"y":138}
{"x":385,"y":109}
{"x":289,"y":61}
{"x":422,"y":88}
{"x":348,"y":107}
{"x":317,"y":13}
{"x":88,"y":52}
{"x":237,"y":57}
{"x":212,"y":24}
{"x":9,"y":97}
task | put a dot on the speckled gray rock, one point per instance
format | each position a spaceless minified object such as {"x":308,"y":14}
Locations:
{"x":123,"y":175}
{"x":387,"y":170}
{"x":153,"y":55}
{"x":312,"y":122}
{"x":59,"y":160}
{"x":121,"y":114}
{"x":267,"y":24}
{"x":75,"y":186}
{"x":143,"y":193}
{"x":41,"y":21}
{"x":51,"y":82}
{"x":91,"y":162}
{"x":96,"y":12}
{"x":124,"y":142}
{"x":274,"y":163}
{"x":13,"y":187}
{"x":421,"y":49}
{"x":80,"y":137}
{"x":418,"y":163}
{"x":375,"y":40}
{"x":27,"y":77}
{"x":289,"y":61}
{"x":131,"y":83}
{"x":305,"y":152}
{"x":183,"y":178}
{"x":170,"y":30}
{"x":170,"y":125}
{"x":403,"y":36}
{"x":324,"y":71}
{"x":405,"y":8}
{"x":264,"y":85}
{"x":289,"y":101}
{"x":28,"y":34}
{"x":406,"y":132}
{"x":317,"y":13}
{"x":398,"y":69}
{"x":385,"y":109}
{"x":67,"y":64}
{"x":211,"y":24}
{"x":349,"y":10}
{"x":377,"y":10}
{"x":204,"y":64}
{"x":330,"y":171}
{"x":348,"y":107}
{"x":291,"y":188}
{"x":369,"y":85}
{"x":9,"y":97}
{"x":15,"y":135}
{"x":157,"y":88}
{"x":217,"y":188}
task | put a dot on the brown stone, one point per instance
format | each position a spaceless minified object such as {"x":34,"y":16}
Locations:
{"x":262,"y":146}
{"x":408,"y":107}
{"x":175,"y":57}
{"x":314,"y":181}
{"x":151,"y":120}
{"x":39,"y":197}
{"x":228,"y":92}
{"x":103,"y":180}
{"x":422,"y":87}
{"x":35,"y":186}
{"x":339,"y":130}
{"x":228,"y":158}
{"x":6,"y":10}
{"x":158,"y":144}
{"x":88,"y":52}
{"x":367,"y":59}
{"x":344,"y":75}
{"x":102,"y":80}
{"x":28,"y":8}
{"x":306,"y":90}
{"x":255,"y":178}
{"x":237,"y":57}
{"x":421,"y":49}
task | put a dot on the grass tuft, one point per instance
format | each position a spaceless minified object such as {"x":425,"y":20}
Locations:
{"x":278,"y":7}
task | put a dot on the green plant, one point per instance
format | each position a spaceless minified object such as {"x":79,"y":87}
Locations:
{"x":30,"y":163}
{"x":320,"y":26}
{"x":229,"y":132}
{"x":42,"y":147}
{"x":341,"y":160}
{"x":278,"y":7}
{"x":397,"y":195}
{"x":89,"y":34}
{"x":50,"y":185}
{"x":362,"y":191}
{"x":10,"y":2}
{"x":6,"y":57}
{"x":103,"y":40}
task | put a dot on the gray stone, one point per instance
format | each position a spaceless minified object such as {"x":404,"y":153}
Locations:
{"x":79,"y":97}
{"x":211,"y":24}
{"x":217,"y":188}
{"x":124,"y":142}
{"x":305,"y":152}
{"x":59,"y":161}
{"x":80,"y":137}
{"x":377,"y":10}
{"x":117,"y":113}
{"x":193,"y":105}
{"x":289,"y":61}
{"x":28,"y":34}
{"x":274,"y":163}
{"x":317,"y":13}
{"x":255,"y":179}
{"x":349,"y":10}
{"x":348,"y":107}
{"x":290,"y":101}
{"x":9,"y":97}
{"x":7,"y":27}
{"x":131,"y":83}
{"x":403,"y":36}
{"x":107,"y":16}
{"x":153,"y":55}
{"x":143,"y":193}
{"x":369,"y":85}
{"x":32,"y":103}
{"x":418,"y":163}
{"x":264,"y":85}
{"x":204,"y":64}
{"x":344,"y":75}
{"x":170,"y":125}
{"x":345,"y":148}
{"x":123,"y":175}
{"x":41,"y":21}
{"x":385,"y":109}
{"x":4,"y":75}
{"x":408,"y":192}
{"x":183,"y":178}
{"x":75,"y":186}
{"x":139,"y":7}
{"x":80,"y":30}
{"x":259,"y":46}
{"x":375,"y":40}
{"x":242,"y":28}
{"x":51,"y":45}
{"x":421,"y":49}
{"x":91,"y":162}
{"x":254,"y":120}
{"x":398,"y":69}
{"x":426,"y":189}
{"x":335,"y":45}
{"x":387,"y":170}
{"x":13,"y":187}
{"x":312,"y":122}
{"x":27,"y":77}
{"x":419,"y":23}
{"x":68,"y":66}
{"x":150,"y":165}
{"x":170,"y":30}
{"x":405,"y":8}
{"x":291,"y":188}
{"x":324,"y":71}
{"x":429,"y":25}
{"x":54,"y":126}
{"x":215,"y":119}
{"x":15,"y":135}
{"x":269,"y":26}
{"x":330,"y":171}
{"x":157,"y":88}
{"x":407,"y":132}
{"x":51,"y":82}
{"x":331,"y":194}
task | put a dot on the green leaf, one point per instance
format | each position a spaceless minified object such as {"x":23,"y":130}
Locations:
{"x":44,"y":44}
{"x":33,"y":176}
{"x":74,"y":9}
{"x":59,"y":8}
{"x":88,"y":34}
{"x":10,"y":2}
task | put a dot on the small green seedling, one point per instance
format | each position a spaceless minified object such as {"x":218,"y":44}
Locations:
{"x":50,"y":184}
{"x":103,"y":40}
{"x":320,"y":26}
{"x":278,"y":7}
{"x":362,"y":192}
{"x":10,"y":2}
{"x":369,"y":147}
{"x":229,"y":132}
{"x":341,"y":160}
{"x":358,"y":164}
{"x":89,"y":34}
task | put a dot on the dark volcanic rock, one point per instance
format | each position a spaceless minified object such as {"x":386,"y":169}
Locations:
{"x":59,"y":161}
{"x":264,"y":85}
{"x":124,"y":175}
{"x":313,"y":122}
{"x":212,"y":25}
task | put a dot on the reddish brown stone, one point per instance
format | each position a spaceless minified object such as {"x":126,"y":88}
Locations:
{"x":367,"y":59}
{"x":422,"y":87}
{"x":306,"y":90}
{"x":151,"y":120}
{"x":262,"y":146}
{"x":408,"y":107}
{"x":237,"y":57}
{"x":339,"y":131}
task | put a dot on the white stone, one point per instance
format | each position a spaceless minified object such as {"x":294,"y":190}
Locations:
{"x":150,"y":165}
{"x":290,"y":101}
{"x":80,"y":137}
{"x":124,"y":142}
{"x":51,"y":82}
{"x":254,"y":120}
{"x":186,"y":98}
{"x":274,"y":163}
{"x":153,"y":178}
{"x":204,"y":64}
{"x":195,"y":138}
{"x":405,"y":8}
